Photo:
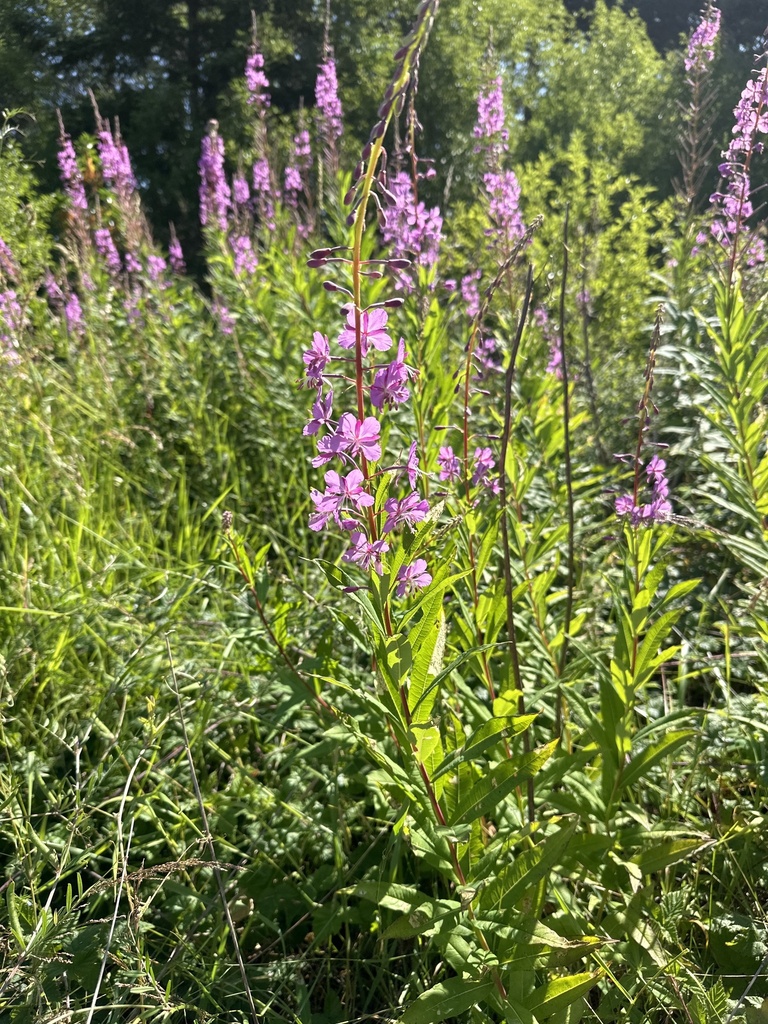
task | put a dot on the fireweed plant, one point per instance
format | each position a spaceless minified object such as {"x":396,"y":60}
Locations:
{"x":458,"y":745}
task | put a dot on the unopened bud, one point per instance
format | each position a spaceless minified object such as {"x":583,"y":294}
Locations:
{"x":392,"y":303}
{"x":399,"y":264}
{"x":366,"y":151}
{"x":226,"y":521}
{"x":387,"y":196}
{"x":316,"y":263}
{"x":358,"y":172}
{"x":401,"y":52}
{"x":331,"y":286}
{"x":352,"y":217}
{"x":349,"y":197}
{"x":382,"y":218}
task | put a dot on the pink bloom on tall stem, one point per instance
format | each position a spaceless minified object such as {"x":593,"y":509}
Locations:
{"x":411,"y":510}
{"x":388,"y":386}
{"x":328,"y":102}
{"x":215,"y":196}
{"x":412,"y":577}
{"x":372,"y":331}
{"x":256,"y":81}
{"x":368,"y":555}
{"x":450,"y":464}
{"x":317,"y":358}
{"x":360,"y":437}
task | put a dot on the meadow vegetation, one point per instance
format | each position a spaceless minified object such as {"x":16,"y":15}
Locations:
{"x":384,"y":610}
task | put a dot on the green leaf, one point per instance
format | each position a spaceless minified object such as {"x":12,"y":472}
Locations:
{"x":487,"y":735}
{"x":662,"y":855}
{"x":556,"y":995}
{"x":645,"y":761}
{"x":446,"y":999}
{"x":497,"y":783}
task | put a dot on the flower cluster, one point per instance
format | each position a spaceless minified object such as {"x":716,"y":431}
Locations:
{"x":256,"y":81}
{"x":115,"y":162}
{"x":70,"y":173}
{"x":490,"y":116}
{"x":215,"y":195}
{"x":12,"y":319}
{"x":353,"y":439}
{"x":410,"y":228}
{"x":73,"y":315}
{"x":701,"y":44}
{"x":659,"y":507}
{"x":503,"y":190}
{"x":8,"y":264}
{"x":105,"y":246}
{"x":329,"y":109}
{"x":733,"y":207}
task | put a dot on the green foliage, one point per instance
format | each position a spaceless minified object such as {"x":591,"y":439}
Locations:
{"x":245,"y":780}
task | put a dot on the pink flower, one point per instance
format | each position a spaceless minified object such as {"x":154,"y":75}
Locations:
{"x":360,"y":437}
{"x":317,"y":358}
{"x":411,"y":509}
{"x":484,"y":463}
{"x":372,"y":331}
{"x":367,"y":554}
{"x":412,"y":465}
{"x":321,"y":413}
{"x":412,"y":577}
{"x":450,"y":464}
{"x":388,"y":386}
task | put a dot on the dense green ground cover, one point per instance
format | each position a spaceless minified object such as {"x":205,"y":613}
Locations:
{"x":244,"y":780}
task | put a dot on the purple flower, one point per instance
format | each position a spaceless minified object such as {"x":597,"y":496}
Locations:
{"x":450,"y":464}
{"x":256,"y":81}
{"x":412,"y":577}
{"x":223,"y":317}
{"x":504,"y":193}
{"x":156,"y":267}
{"x":7,"y":262}
{"x":215,"y":196}
{"x":115,"y":163}
{"x":11,"y":317}
{"x":372,"y":331}
{"x":701,"y":44}
{"x":70,"y":173}
{"x":412,"y":229}
{"x":339,"y":491}
{"x":246,"y":261}
{"x":132,"y":263}
{"x":261,"y":176}
{"x":411,"y":510}
{"x":555,"y":360}
{"x":240,"y":190}
{"x":360,"y":437}
{"x":733,"y":207}
{"x":412,"y":465}
{"x":490,"y":114}
{"x":105,"y":246}
{"x":388,"y":386}
{"x":321,"y":413}
{"x":317,"y":358}
{"x":483,"y":464}
{"x":470,"y":292}
{"x":328,"y":103}
{"x":293,"y":182}
{"x":73,"y":315}
{"x":176,"y":255}
{"x":367,"y":554}
{"x":302,"y":150}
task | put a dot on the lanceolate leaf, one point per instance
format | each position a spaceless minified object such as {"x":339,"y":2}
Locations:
{"x":446,"y":999}
{"x":497,"y":783}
